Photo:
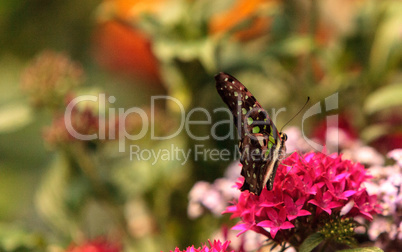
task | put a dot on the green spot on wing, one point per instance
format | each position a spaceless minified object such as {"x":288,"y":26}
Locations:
{"x":244,"y":111}
{"x":256,"y":129}
{"x":271,"y":140}
{"x":236,"y":94}
{"x":269,"y":146}
{"x":250,"y":120}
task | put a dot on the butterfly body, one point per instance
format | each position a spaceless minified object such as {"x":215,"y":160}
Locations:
{"x":261,"y":146}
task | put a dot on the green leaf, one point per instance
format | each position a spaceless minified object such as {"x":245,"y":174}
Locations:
{"x":386,"y":48}
{"x":14,"y":116}
{"x":311,"y":242}
{"x":15,"y":238}
{"x":383,"y":98}
{"x":367,"y":249}
{"x":373,"y":132}
{"x":50,"y":198}
{"x":297,"y":45}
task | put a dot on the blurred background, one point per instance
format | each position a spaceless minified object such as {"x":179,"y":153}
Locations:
{"x":57,"y":191}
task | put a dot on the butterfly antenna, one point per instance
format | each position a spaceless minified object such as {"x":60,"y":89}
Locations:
{"x":308,"y":99}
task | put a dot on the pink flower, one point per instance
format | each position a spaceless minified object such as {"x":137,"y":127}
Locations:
{"x":215,"y":196}
{"x":308,"y":189}
{"x":276,"y":221}
{"x":325,"y":202}
{"x":216,"y":246}
{"x":50,"y":77}
{"x":396,"y":155}
{"x":294,"y":209}
{"x":386,"y":230}
{"x":250,"y":241}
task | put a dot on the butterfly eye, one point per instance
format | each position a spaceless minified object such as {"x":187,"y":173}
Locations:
{"x":284,"y":137}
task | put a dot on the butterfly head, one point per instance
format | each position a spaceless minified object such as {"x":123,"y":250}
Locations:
{"x":282,"y":152}
{"x":283,"y":136}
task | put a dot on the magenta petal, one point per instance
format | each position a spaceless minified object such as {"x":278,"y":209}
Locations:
{"x":334,"y":204}
{"x":266,"y":223}
{"x":300,"y":201}
{"x":367,"y":215}
{"x":270,"y":204}
{"x":287,"y":225}
{"x":348,"y":193}
{"x":273,"y":231}
{"x":328,"y":210}
{"x":242,"y":227}
{"x":230,"y":209}
{"x":303,"y":213}
{"x":314,"y":202}
{"x":300,"y":213}
{"x":282,"y":215}
{"x":340,"y":176}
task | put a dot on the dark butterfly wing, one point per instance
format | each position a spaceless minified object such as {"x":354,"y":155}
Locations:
{"x":248,"y":114}
{"x":253,"y":148}
{"x":260,"y":141}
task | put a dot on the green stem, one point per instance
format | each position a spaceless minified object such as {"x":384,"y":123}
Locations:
{"x":324,"y":246}
{"x":88,"y":167}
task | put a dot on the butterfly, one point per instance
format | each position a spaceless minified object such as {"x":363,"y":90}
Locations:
{"x":261,"y":146}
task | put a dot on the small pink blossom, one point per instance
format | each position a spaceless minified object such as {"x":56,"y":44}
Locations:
{"x":294,"y":209}
{"x":396,"y":155}
{"x":213,"y":196}
{"x":324,"y":202}
{"x":216,"y":246}
{"x":386,"y":230}
{"x":250,"y":241}
{"x":276,"y":222}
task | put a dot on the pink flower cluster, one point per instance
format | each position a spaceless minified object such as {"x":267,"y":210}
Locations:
{"x":307,"y":189}
{"x":386,"y":230}
{"x":214,"y":196}
{"x":216,"y":246}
